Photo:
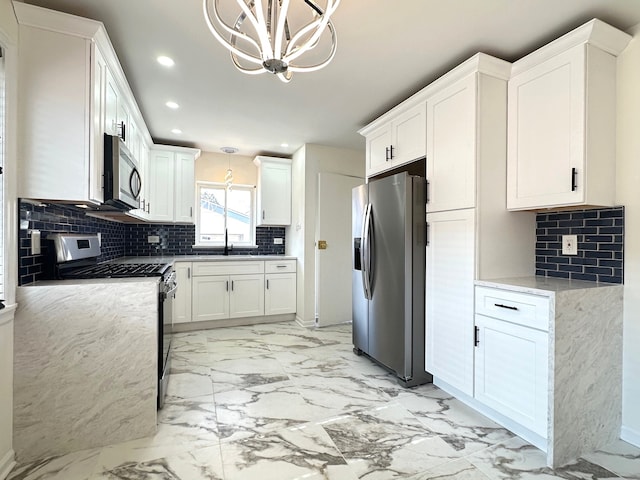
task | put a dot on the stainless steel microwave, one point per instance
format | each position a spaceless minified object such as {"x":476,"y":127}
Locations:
{"x":122,"y":181}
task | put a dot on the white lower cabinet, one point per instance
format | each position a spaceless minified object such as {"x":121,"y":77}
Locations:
{"x":182,"y":302}
{"x":548,"y":362}
{"x":511,"y":371}
{"x":220,"y":290}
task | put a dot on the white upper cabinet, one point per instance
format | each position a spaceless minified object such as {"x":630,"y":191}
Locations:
{"x":562,"y":121}
{"x":396,"y":138}
{"x":451,"y":146}
{"x":171,"y":185}
{"x":72,"y":91}
{"x":273,"y":191}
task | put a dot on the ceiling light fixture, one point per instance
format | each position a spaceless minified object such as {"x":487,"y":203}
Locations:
{"x":165,"y":61}
{"x":172,"y":105}
{"x":270,"y":36}
{"x":228,"y":178}
{"x":177,"y":131}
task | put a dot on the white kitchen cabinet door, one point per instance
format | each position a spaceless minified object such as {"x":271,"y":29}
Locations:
{"x":449,"y":297}
{"x":377,"y":150}
{"x":210,"y":298}
{"x":400,"y":140}
{"x":511,"y":371}
{"x":96,"y":166}
{"x":161,"y":179}
{"x":280,"y":293}
{"x":182,"y":302}
{"x":409,"y":135}
{"x":561,"y":140}
{"x":273,"y":191}
{"x":451,"y":146}
{"x":112,"y":99}
{"x":247,"y":296}
{"x":185,"y":185}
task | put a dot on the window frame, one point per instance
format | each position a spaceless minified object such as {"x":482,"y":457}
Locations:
{"x":252,"y":214}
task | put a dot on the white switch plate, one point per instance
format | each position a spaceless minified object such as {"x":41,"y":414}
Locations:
{"x":569,"y":244}
{"x":153,"y":239}
{"x":277,"y":241}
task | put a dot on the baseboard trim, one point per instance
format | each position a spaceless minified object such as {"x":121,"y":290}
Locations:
{"x":305,"y":324}
{"x":231,"y":322}
{"x":6,"y":464}
{"x":630,"y":435}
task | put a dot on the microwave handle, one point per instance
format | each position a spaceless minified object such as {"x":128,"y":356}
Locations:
{"x":135,"y":183}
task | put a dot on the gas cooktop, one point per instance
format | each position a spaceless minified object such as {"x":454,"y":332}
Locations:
{"x":119,"y":270}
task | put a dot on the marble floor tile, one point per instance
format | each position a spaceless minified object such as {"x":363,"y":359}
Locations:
{"x":455,"y":470}
{"x":198,"y":464}
{"x":304,"y":452}
{"x":619,"y":457}
{"x":256,"y":410}
{"x":74,"y":466}
{"x":518,"y":460}
{"x":189,"y":384}
{"x":387,"y":442}
{"x":237,"y":373}
{"x":230,"y":349}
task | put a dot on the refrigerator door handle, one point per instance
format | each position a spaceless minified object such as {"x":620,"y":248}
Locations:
{"x":365,"y":252}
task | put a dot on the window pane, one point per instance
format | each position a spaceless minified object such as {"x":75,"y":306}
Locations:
{"x":211,"y":214}
{"x":239,"y":215}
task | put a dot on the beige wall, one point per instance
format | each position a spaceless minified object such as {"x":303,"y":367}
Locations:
{"x":628,"y":194}
{"x":307,"y":163}
{"x":212,"y":167}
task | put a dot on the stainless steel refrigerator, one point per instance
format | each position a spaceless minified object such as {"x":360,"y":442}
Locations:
{"x":388,"y":278}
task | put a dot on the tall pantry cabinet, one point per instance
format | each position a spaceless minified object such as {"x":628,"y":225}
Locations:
{"x":470,"y":234}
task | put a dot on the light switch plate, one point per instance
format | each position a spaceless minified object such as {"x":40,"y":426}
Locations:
{"x":569,"y":244}
{"x":153,"y":239}
{"x":277,"y":241}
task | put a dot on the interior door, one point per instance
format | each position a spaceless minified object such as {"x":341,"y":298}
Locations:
{"x":333,"y":264}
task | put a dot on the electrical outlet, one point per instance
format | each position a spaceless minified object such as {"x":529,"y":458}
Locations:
{"x":569,"y":244}
{"x":153,"y":239}
{"x":277,"y":241}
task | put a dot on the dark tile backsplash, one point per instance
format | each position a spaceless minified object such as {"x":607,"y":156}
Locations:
{"x":120,"y":239}
{"x":600,"y":245}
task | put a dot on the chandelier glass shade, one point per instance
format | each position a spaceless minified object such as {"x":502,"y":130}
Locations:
{"x":277,"y":36}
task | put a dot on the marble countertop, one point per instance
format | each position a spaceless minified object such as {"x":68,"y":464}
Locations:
{"x":541,"y":285}
{"x":200,"y":258}
{"x":91,"y":281}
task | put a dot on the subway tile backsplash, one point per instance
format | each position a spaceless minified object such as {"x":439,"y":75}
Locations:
{"x":600,"y":236}
{"x":120,"y":239}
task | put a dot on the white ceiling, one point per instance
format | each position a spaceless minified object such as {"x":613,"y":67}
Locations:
{"x":387,"y":50}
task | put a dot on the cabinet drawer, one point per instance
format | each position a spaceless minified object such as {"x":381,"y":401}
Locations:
{"x":520,"y":308}
{"x":280,"y":266}
{"x":201,"y":269}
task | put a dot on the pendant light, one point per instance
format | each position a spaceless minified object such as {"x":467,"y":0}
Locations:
{"x":228,"y":178}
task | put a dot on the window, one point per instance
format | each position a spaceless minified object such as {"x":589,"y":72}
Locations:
{"x":223,"y":210}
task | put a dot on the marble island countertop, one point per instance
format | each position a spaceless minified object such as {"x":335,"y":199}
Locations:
{"x":537,"y":285}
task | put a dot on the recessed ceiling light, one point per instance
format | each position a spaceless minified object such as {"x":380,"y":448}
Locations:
{"x":173,"y":105}
{"x":166,"y":61}
{"x":284,"y":145}
{"x":177,"y":131}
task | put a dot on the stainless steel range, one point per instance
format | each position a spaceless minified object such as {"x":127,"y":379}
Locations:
{"x":74,"y":256}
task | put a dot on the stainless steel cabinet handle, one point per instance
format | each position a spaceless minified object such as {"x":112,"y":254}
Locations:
{"x":227,"y":285}
{"x":190,"y":212}
{"x":263,"y":214}
{"x":189,"y":272}
{"x":281,"y":266}
{"x":267,"y":284}
{"x":148,"y":207}
{"x":232,"y":285}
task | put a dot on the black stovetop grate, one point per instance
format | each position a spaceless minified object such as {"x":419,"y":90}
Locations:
{"x":121,"y":270}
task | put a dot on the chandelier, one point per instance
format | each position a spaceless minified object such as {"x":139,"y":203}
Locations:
{"x":277,"y":36}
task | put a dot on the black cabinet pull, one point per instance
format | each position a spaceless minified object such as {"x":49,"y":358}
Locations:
{"x":476,"y":336}
{"x":386,"y":154}
{"x":574,"y":179}
{"x":508,"y":307}
{"x":391,"y":152}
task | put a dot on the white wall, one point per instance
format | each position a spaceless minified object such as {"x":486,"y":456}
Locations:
{"x":628,"y":194}
{"x":212,"y":167}
{"x":307,"y":163}
{"x":9,"y":40}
